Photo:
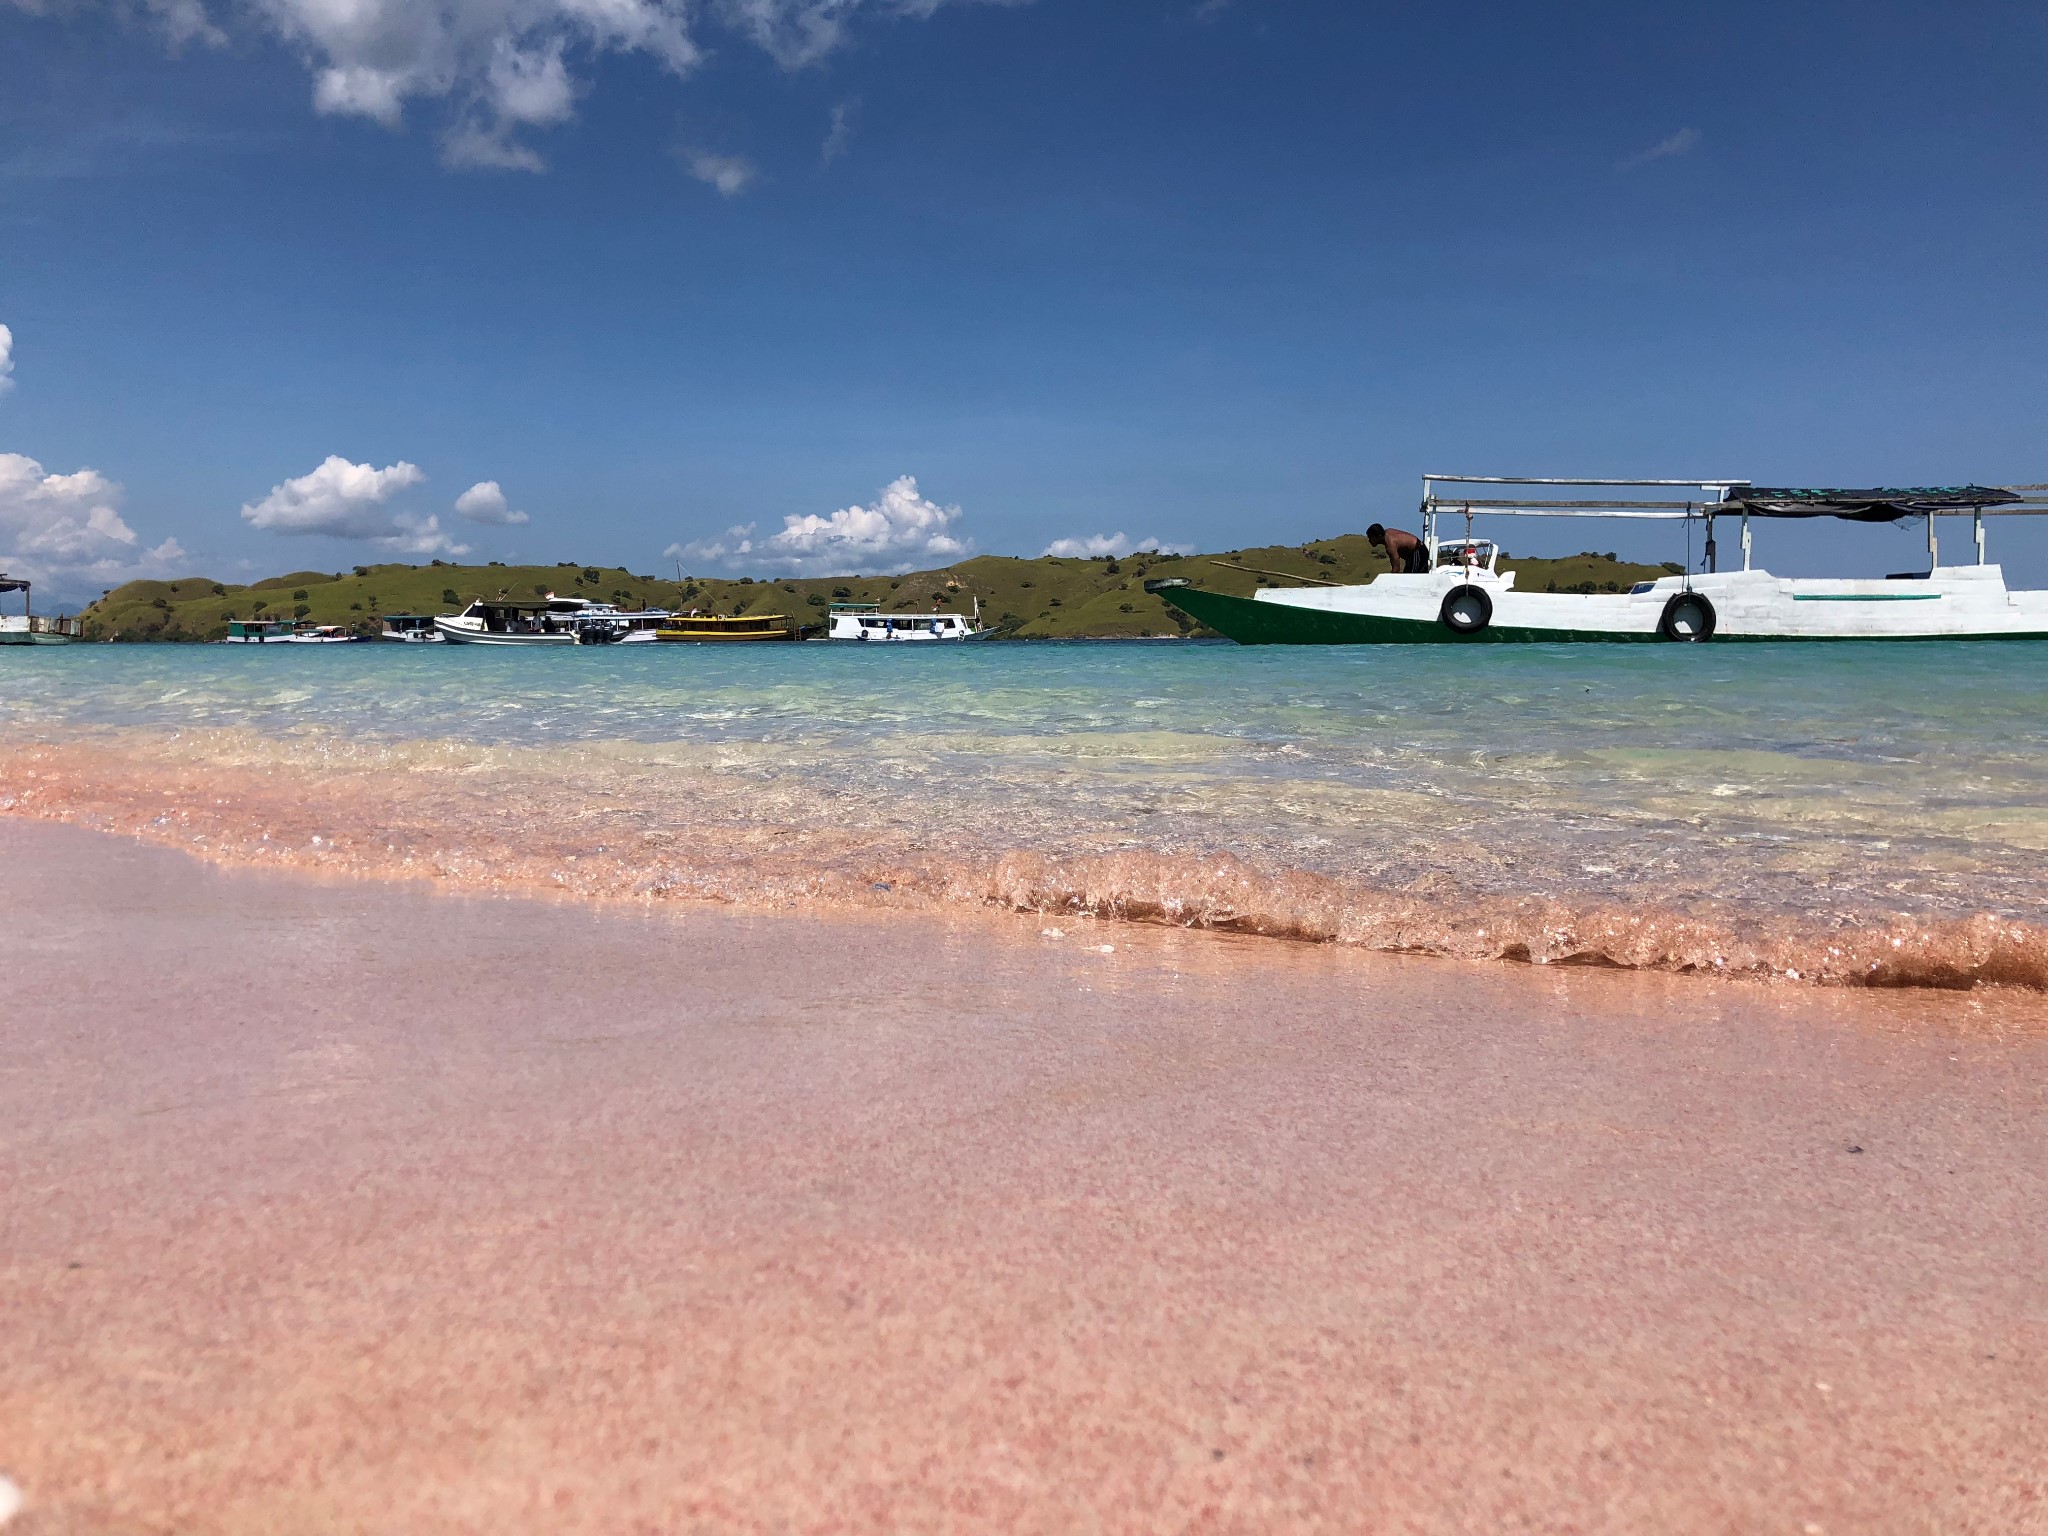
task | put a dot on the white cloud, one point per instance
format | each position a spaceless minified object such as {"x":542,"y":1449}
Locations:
{"x":901,"y":531}
{"x":1115,"y":545}
{"x":6,"y":359}
{"x":1683,"y":142}
{"x":349,"y":501}
{"x":67,"y":530}
{"x":485,"y":503}
{"x":500,"y":66}
{"x":729,"y":173}
{"x":420,"y":536}
{"x":181,"y":21}
{"x":840,"y":134}
{"x":340,"y":499}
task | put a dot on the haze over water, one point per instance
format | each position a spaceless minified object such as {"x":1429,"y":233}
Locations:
{"x":1778,"y":794}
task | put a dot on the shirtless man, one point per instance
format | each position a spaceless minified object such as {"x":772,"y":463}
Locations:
{"x":1404,"y":551}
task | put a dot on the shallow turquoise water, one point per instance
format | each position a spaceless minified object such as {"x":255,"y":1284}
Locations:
{"x":1909,"y":777}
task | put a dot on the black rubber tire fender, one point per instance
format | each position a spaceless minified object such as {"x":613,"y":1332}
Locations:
{"x":1466,"y":610}
{"x":1703,"y":618}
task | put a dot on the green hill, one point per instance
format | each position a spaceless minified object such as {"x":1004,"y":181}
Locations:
{"x":1046,"y":599}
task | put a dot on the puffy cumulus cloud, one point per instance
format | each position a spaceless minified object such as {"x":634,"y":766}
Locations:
{"x":501,"y":67}
{"x":67,"y":530}
{"x":900,"y":531}
{"x":1115,"y":545}
{"x":485,"y":503}
{"x":6,"y":359}
{"x":350,"y":501}
{"x":343,"y":500}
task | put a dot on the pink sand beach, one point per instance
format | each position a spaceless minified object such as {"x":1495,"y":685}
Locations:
{"x":344,"y":1206}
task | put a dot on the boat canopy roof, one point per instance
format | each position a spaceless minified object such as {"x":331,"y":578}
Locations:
{"x":1876,"y":505}
{"x":1718,"y":498}
{"x":13,"y":584}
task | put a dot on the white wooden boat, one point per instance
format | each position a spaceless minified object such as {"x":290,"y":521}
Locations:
{"x":31,"y":628}
{"x":1464,"y":596}
{"x":867,"y":623}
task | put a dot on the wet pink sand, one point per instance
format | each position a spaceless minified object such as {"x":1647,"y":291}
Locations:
{"x":347,"y":1207}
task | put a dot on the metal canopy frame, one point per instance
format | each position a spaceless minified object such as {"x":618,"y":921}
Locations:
{"x":1715,"y":493}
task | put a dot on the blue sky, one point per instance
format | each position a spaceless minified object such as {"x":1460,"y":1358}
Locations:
{"x":280,"y":290}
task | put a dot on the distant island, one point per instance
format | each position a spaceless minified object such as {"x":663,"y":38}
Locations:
{"x":1044,"y":599}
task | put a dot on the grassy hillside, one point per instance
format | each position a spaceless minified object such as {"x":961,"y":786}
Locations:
{"x":1032,"y":599}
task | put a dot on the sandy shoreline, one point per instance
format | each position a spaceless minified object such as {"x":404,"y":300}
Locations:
{"x":337,"y":1206}
{"x":602,"y":825}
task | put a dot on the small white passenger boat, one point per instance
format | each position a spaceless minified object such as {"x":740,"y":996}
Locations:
{"x":31,"y":628}
{"x":410,"y":629}
{"x":867,"y":622}
{"x":322,"y":634}
{"x":1464,"y":596}
{"x":548,"y":620}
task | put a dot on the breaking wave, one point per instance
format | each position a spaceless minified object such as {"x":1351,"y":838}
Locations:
{"x":615,"y":825}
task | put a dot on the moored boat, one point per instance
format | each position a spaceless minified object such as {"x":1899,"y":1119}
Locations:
{"x":1463,"y":595}
{"x":31,"y":628}
{"x":548,"y":620}
{"x":259,"y":631}
{"x":322,"y":634}
{"x":410,"y":629}
{"x":720,"y":628}
{"x":867,"y":622}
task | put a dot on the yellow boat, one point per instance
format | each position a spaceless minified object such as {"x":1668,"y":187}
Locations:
{"x":711,"y":626}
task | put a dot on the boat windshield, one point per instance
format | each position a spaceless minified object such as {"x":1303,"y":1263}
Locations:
{"x":1472,"y":554}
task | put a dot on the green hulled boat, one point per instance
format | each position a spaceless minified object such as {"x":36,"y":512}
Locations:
{"x":1463,"y":595}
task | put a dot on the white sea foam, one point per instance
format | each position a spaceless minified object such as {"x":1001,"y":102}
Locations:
{"x":1870,"y":786}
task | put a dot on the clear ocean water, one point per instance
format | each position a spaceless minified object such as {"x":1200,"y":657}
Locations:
{"x":1816,"y":787}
